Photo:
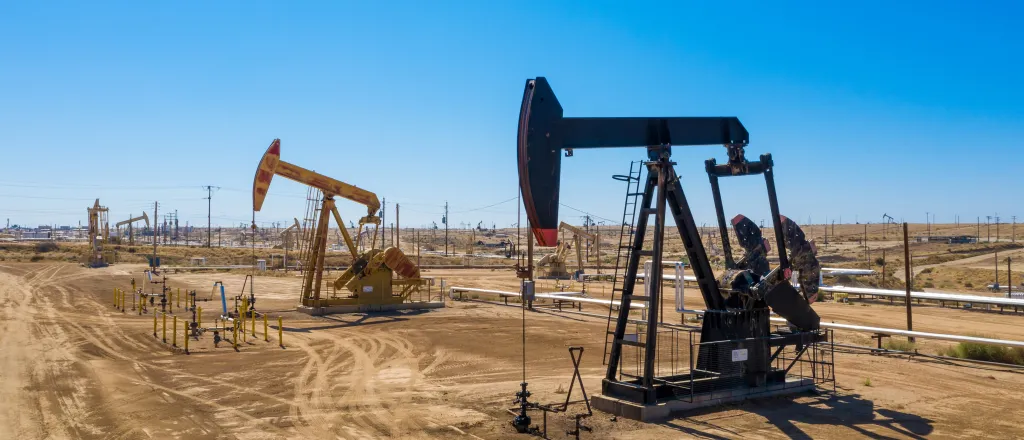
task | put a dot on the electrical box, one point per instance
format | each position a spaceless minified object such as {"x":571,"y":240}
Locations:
{"x":529,"y":294}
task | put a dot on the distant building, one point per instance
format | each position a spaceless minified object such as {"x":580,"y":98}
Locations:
{"x":948,"y":239}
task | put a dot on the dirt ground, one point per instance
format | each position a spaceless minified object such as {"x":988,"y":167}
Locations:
{"x":74,"y":367}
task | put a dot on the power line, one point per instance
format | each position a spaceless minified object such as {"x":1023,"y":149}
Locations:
{"x":488,"y":206}
{"x":590,"y":214}
{"x":105,"y":188}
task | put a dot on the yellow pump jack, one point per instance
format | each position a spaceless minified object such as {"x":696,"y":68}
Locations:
{"x":129,"y":222}
{"x":555,"y":263}
{"x":369,"y":280}
{"x":99,"y":235}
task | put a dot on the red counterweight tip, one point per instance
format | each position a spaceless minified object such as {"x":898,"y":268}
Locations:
{"x":546,"y":237}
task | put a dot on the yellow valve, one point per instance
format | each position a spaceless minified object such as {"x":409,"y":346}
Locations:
{"x":266,"y":332}
{"x":199,"y":316}
{"x":252,"y":322}
{"x":164,"y":328}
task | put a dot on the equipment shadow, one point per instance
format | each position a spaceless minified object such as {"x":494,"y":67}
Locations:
{"x":839,"y":409}
{"x":360,"y":320}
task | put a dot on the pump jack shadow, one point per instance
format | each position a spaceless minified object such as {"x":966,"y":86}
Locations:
{"x":360,"y":320}
{"x":840,"y":409}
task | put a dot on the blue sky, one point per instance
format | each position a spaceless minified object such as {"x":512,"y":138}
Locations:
{"x":868,"y":107}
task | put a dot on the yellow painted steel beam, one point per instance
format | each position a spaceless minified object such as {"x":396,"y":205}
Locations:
{"x":344,"y":233}
{"x":271,"y":164}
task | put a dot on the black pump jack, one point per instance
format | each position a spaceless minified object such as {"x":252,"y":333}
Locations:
{"x":544,"y":133}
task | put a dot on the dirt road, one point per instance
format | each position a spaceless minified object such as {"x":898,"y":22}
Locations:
{"x":73,"y":367}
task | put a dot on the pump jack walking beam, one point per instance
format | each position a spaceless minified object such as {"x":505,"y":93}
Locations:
{"x":544,"y":133}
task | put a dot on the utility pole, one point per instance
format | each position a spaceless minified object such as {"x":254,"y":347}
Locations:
{"x":209,"y":206}
{"x":997,"y":227}
{"x":445,"y":221}
{"x":383,"y":211}
{"x":1013,"y":229}
{"x":867,"y":256}
{"x":910,"y":281}
{"x":825,"y":227}
{"x":928,"y":222}
{"x":156,"y":224}
{"x":883,"y":268}
{"x":988,"y":227}
{"x":398,"y":229}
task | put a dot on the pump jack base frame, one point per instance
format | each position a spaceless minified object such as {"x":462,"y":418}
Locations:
{"x":665,"y":408}
{"x":700,"y":388}
{"x":368,"y":308}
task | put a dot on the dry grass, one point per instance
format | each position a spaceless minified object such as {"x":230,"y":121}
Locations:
{"x":988,"y":353}
{"x":899,"y":345}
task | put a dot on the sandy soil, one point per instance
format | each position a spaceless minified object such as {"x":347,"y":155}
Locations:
{"x":73,"y":367}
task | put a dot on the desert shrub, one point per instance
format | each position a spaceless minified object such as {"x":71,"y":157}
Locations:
{"x":879,"y":261}
{"x":929,"y":284}
{"x":899,"y":345}
{"x":928,"y":270}
{"x":36,"y":257}
{"x":46,"y":246}
{"x":968,"y":284}
{"x":867,"y":382}
{"x":988,"y":353}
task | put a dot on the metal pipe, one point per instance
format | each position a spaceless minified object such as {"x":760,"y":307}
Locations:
{"x":554,"y":296}
{"x":933,"y":296}
{"x":914,"y":353}
{"x":923,"y":335}
{"x":833,"y":325}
